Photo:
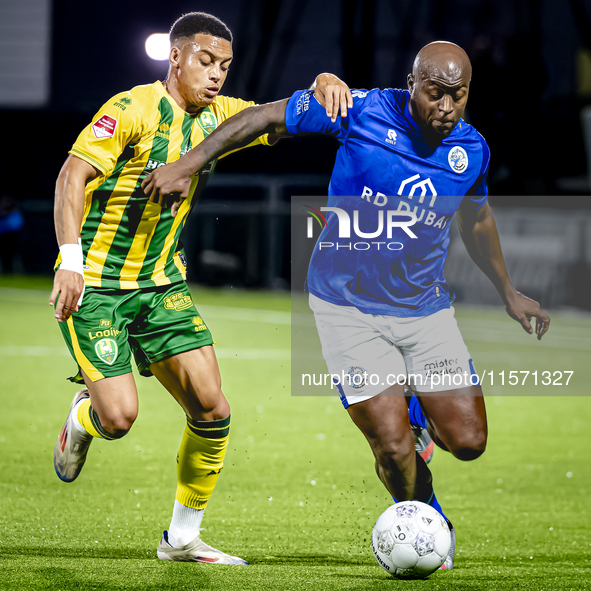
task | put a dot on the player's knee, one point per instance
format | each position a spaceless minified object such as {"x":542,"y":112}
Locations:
{"x":469,"y":446}
{"x":119,"y":424}
{"x":209,"y":405}
{"x":210,"y":401}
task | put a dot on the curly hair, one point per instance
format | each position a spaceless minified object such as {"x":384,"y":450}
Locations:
{"x":193,"y":23}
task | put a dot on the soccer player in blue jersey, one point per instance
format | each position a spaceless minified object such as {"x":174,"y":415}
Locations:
{"x":407,"y":163}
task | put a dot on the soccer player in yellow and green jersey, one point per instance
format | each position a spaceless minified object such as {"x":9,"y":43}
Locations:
{"x":129,"y":242}
{"x":119,"y":286}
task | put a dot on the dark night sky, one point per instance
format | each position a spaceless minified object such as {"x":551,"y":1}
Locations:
{"x":523,"y":97}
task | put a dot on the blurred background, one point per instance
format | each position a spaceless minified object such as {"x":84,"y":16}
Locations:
{"x":530,"y":96}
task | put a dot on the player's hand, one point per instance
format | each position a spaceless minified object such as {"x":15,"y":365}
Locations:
{"x":523,"y":309}
{"x":168,"y":185}
{"x":333,"y":94}
{"x":69,"y":287}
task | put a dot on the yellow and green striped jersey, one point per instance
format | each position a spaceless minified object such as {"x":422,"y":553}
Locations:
{"x":128,"y":241}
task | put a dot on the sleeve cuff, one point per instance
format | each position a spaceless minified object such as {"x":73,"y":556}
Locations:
{"x":90,"y":159}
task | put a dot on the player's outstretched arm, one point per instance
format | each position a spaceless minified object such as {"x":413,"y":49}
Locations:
{"x":234,"y":133}
{"x":481,"y":238}
{"x":68,"y":283}
{"x":171,"y":183}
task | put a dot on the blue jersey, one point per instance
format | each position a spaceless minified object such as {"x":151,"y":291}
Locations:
{"x":384,"y":164}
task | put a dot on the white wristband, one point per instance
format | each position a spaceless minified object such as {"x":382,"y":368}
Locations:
{"x":72,"y":258}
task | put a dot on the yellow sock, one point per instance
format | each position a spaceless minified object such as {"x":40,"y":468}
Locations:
{"x":88,"y":418}
{"x":200,"y":461}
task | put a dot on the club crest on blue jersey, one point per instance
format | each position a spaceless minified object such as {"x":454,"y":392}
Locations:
{"x":458,"y":159}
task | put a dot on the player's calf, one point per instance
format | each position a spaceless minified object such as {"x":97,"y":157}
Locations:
{"x":395,"y":461}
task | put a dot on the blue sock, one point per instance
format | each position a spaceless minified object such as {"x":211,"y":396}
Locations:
{"x":433,"y":502}
{"x":415,"y":413}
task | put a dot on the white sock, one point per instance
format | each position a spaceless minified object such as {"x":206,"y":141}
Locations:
{"x":185,"y":524}
{"x":77,"y":423}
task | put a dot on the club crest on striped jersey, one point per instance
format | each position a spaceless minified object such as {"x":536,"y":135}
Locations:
{"x":107,"y":350}
{"x":207,"y":121}
{"x":104,"y":127}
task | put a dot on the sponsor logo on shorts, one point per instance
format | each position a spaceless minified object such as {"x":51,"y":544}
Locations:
{"x":458,"y":159}
{"x":107,"y":350}
{"x":99,"y":334}
{"x":443,"y":367}
{"x":106,"y":330}
{"x":178,"y":301}
{"x":104,"y":127}
{"x":200,"y":324}
{"x":357,"y":377}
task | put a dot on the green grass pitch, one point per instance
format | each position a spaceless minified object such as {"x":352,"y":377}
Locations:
{"x":298,"y":496}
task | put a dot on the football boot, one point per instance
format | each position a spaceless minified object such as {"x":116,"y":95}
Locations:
{"x":195,"y":551}
{"x":71,"y":447}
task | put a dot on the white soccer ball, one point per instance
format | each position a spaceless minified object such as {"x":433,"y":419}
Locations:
{"x":410,"y":540}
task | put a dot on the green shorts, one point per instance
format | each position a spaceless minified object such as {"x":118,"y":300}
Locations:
{"x":153,"y":323}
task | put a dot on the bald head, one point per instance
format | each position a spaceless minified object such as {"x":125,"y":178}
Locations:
{"x":438,"y":88}
{"x":442,"y":57}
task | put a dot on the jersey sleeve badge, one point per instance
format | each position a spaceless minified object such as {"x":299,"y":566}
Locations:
{"x":104,"y":127}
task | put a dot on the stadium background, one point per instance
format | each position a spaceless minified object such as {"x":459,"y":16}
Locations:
{"x":299,"y":495}
{"x":531,"y":83}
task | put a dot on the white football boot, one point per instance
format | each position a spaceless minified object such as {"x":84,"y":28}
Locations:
{"x":449,"y":561}
{"x":71,"y":447}
{"x":195,"y":551}
{"x":424,"y":445}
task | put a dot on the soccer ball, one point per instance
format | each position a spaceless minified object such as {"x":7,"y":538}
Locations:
{"x":410,"y":540}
